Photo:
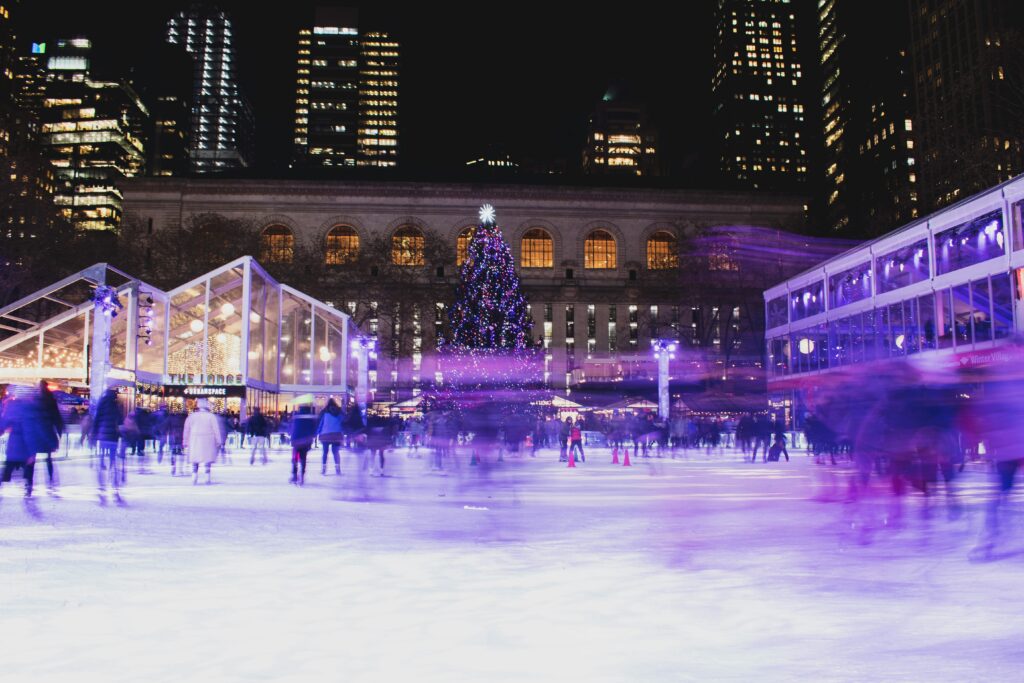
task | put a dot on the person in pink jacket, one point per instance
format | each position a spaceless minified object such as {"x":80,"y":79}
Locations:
{"x":203,"y":438}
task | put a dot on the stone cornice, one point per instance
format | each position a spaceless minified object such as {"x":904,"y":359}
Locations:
{"x":357,"y":195}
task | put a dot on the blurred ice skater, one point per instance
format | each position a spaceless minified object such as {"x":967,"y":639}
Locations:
{"x":203,"y":438}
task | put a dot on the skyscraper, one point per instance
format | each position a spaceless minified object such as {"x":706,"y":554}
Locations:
{"x":760,"y":103}
{"x":871,"y":172}
{"x":378,"y":100}
{"x":93,"y":133}
{"x":327,"y":89}
{"x":7,"y":80}
{"x":222,"y":125}
{"x":968,"y":72}
{"x":620,"y":139}
{"x":346,"y":93}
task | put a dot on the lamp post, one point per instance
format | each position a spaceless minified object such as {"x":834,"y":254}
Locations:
{"x":363,"y":347}
{"x":664,"y":350}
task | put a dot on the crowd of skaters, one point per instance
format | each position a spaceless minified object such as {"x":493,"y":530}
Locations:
{"x":901,"y":433}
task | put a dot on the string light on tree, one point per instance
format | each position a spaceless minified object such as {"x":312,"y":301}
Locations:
{"x":489,"y":331}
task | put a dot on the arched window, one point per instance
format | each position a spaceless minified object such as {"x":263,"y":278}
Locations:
{"x":277,"y":244}
{"x":599,"y":251}
{"x":662,"y":251}
{"x":407,"y":247}
{"x":462,"y":245}
{"x":537,"y":249}
{"x":342,"y":245}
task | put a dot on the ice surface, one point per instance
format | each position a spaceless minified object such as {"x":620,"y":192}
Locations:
{"x":703,"y":569}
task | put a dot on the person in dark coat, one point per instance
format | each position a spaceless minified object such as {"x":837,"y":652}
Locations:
{"x":51,"y":426}
{"x":302,"y":435}
{"x":105,"y":433}
{"x":158,"y":424}
{"x":174,"y":427}
{"x":21,"y":419}
{"x":258,"y":429}
{"x":330,"y":430}
{"x":379,"y":435}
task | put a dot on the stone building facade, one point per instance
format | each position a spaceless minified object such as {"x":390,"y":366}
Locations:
{"x":600,"y":266}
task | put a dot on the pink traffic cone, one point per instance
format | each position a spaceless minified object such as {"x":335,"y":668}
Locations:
{"x":572,"y":460}
{"x":615,"y":455}
{"x":625,"y":461}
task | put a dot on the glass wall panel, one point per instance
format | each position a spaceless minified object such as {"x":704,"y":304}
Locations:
{"x":902,"y":267}
{"x":856,"y":339}
{"x":780,"y":356}
{"x":224,"y":336}
{"x":1017,"y":214}
{"x":944,"y":318}
{"x":257,"y":296}
{"x":186,"y":347}
{"x":911,"y":327}
{"x":927,"y":325}
{"x":850,"y":286}
{"x":981,"y":302}
{"x":963,"y":314}
{"x":870,"y":336}
{"x":807,"y":301}
{"x":897,"y":340}
{"x":777,"y":313}
{"x":297,"y":323}
{"x":150,"y":352}
{"x":821,"y":346}
{"x":24,"y":354}
{"x":272,"y":315}
{"x":839,"y":339}
{"x":119,"y":337}
{"x":1002,"y":305}
{"x":882,"y":337}
{"x":63,"y":345}
{"x":336,"y":343}
{"x":975,"y":241}
{"x":323,"y":354}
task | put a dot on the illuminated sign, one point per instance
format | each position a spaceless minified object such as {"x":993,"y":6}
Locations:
{"x":39,"y":48}
{"x":190,"y":379}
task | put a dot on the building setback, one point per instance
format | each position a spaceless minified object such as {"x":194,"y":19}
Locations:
{"x":600,"y":267}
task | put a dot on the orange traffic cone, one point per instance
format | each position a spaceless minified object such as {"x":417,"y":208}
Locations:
{"x":615,"y":455}
{"x":625,"y":460}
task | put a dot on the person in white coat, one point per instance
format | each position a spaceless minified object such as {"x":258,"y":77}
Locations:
{"x":203,"y":438}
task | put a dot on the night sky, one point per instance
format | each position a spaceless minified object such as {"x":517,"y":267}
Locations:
{"x":517,"y":76}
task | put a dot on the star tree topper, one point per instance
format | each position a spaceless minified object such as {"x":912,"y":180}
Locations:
{"x":487,"y":214}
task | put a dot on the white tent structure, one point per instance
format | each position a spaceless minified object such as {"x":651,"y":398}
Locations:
{"x":234,"y":332}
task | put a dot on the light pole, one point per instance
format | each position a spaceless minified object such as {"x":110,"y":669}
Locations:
{"x":664,"y":350}
{"x":363,"y":347}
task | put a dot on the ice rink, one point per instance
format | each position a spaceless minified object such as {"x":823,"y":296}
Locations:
{"x":697,"y":569}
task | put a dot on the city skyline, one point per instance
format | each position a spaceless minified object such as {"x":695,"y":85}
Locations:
{"x":533,"y":94}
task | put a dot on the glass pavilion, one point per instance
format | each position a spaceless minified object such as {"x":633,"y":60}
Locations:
{"x":234,"y":335}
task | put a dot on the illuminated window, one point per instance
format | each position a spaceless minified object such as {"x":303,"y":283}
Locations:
{"x":537,"y":249}
{"x":342,"y":245}
{"x":599,"y":251}
{"x":277,"y":244}
{"x":407,"y":247}
{"x":462,"y":245}
{"x":662,"y":251}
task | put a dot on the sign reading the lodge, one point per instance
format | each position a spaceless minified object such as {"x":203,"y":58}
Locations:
{"x":196,"y":385}
{"x":191,"y":379}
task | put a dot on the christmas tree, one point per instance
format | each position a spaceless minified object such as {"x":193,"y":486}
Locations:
{"x":489,"y":338}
